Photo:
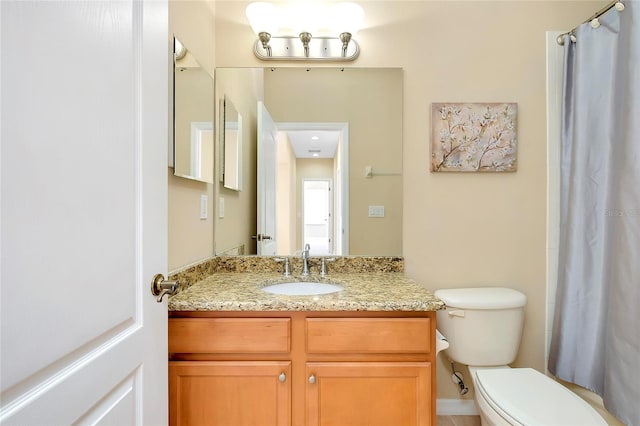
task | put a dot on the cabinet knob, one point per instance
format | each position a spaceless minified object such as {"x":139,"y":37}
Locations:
{"x":282,"y":377}
{"x":312,"y":379}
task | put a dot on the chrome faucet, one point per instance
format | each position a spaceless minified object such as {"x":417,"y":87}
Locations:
{"x":305,"y":260}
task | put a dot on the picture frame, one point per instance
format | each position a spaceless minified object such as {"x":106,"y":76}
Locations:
{"x":474,"y":137}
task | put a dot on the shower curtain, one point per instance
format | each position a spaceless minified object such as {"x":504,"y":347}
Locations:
{"x":596,"y":332}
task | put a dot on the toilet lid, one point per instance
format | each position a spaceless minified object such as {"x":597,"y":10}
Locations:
{"x":531,"y":398}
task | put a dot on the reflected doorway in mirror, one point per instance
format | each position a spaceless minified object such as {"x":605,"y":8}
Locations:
{"x":316,"y":216}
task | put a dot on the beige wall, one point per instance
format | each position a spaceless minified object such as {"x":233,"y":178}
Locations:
{"x":460,"y":229}
{"x":190,"y":238}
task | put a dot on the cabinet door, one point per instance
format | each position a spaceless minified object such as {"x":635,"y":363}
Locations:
{"x":368,"y":393}
{"x":230,"y":393}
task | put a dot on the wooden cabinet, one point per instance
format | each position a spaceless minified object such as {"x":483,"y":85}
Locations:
{"x":302,"y":368}
{"x":230,"y":393}
{"x":368,"y":393}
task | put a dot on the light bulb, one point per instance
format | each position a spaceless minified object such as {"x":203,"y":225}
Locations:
{"x":263,"y":17}
{"x":347,"y":17}
{"x":304,"y":18}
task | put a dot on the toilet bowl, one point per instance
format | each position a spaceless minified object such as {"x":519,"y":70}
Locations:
{"x":483,"y":327}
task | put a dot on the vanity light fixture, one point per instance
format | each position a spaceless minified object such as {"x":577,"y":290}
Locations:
{"x":304,"y":31}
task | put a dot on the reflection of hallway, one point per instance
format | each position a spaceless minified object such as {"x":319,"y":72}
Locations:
{"x":310,"y":161}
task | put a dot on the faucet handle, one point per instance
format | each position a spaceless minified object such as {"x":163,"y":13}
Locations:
{"x":323,"y":265}
{"x":287,"y":268}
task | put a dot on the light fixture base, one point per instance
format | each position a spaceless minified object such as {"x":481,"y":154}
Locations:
{"x":320,"y":49}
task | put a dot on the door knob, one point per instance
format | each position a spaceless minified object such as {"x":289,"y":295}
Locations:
{"x":160,"y":287}
{"x":312,"y":379}
{"x":282,"y":377}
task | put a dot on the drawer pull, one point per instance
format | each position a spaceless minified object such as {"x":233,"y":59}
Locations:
{"x":312,"y":379}
{"x":282,"y":377}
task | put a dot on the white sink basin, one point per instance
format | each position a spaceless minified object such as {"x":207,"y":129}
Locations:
{"x":302,"y":288}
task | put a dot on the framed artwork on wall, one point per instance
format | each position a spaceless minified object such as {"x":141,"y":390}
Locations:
{"x":473,"y":137}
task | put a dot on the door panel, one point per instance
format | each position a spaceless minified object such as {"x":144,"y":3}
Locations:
{"x":316,"y":208}
{"x":84,"y":216}
{"x":267,"y":137}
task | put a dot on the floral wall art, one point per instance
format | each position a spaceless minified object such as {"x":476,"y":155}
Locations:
{"x":473,"y":137}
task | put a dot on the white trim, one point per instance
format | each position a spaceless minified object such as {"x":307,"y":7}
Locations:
{"x":555,"y":66}
{"x":456,"y":407}
{"x":197,"y":129}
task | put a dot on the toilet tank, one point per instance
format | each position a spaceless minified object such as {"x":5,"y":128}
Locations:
{"x":482,"y":325}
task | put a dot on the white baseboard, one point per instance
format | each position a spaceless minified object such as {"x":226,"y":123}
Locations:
{"x":456,"y":407}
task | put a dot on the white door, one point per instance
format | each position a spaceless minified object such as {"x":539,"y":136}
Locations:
{"x":316,"y":216}
{"x":266,"y":226}
{"x":83,"y":212}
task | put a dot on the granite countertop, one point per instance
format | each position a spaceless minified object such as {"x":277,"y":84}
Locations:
{"x":367,"y":291}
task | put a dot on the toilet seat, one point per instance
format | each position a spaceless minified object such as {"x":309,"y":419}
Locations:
{"x":527,"y":397}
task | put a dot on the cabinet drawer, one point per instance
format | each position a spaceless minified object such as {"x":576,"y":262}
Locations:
{"x":229,"y":335}
{"x":368,"y":335}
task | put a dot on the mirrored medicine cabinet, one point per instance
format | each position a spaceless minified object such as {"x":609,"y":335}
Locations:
{"x":193,"y":114}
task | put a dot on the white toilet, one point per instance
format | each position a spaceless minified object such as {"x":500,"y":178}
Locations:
{"x":483,"y":328}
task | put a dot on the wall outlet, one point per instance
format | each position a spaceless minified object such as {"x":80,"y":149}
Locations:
{"x":376,"y":211}
{"x":204,"y":206}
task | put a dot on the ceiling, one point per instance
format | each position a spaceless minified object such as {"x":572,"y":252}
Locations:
{"x":306,"y":143}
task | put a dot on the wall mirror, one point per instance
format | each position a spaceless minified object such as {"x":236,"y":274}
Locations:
{"x":231,"y":145}
{"x":337,"y":180}
{"x":193,"y":104}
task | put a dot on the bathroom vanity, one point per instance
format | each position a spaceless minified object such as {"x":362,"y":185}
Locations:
{"x":241,"y":356}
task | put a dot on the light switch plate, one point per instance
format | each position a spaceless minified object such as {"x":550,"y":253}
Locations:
{"x":376,"y":211}
{"x":221,"y":208}
{"x":204,"y":206}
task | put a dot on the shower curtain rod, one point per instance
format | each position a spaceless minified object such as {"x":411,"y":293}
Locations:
{"x":599,"y":13}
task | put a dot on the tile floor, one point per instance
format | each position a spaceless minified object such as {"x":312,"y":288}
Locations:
{"x":458,"y":421}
